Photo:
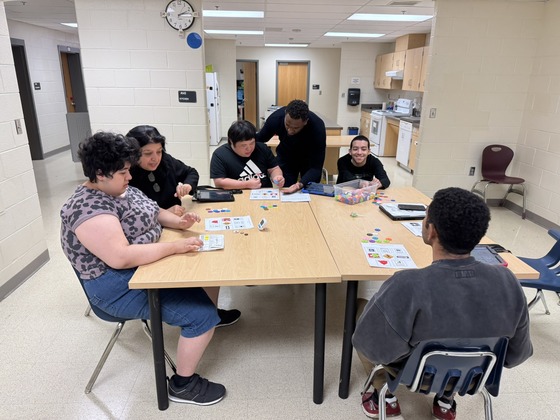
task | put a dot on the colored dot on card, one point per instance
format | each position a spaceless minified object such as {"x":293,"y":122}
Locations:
{"x":372,"y":241}
{"x":388,"y":239}
{"x":377,"y":230}
{"x":370,"y":234}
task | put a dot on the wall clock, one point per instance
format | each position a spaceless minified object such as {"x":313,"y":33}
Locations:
{"x":179,"y":15}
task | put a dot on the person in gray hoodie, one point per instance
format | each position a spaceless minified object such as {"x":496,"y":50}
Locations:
{"x":455,"y":297}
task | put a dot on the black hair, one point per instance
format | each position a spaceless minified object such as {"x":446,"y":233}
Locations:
{"x":359,"y":137}
{"x":146,"y":134}
{"x":241,"y":130}
{"x":105,"y":153}
{"x":460,"y":218}
{"x":298,"y":110}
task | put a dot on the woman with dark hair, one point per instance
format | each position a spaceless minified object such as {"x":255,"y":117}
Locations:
{"x":159,"y":175}
{"x":166,"y":180}
{"x":108,"y":229}
{"x":243,"y":163}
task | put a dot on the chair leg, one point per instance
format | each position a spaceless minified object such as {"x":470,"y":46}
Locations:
{"x":558,"y":294}
{"x":168,"y":358}
{"x":539,"y":296}
{"x":488,"y":414}
{"x":101,"y":362}
{"x":382,"y":405}
{"x":521,"y":193}
{"x":88,"y":310}
{"x":370,"y":378}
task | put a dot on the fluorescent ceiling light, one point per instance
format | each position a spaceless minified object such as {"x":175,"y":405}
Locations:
{"x":389,"y":18}
{"x":232,"y":32}
{"x":72,"y":25}
{"x":353,"y":35}
{"x":232,"y":14}
{"x":287,"y":45}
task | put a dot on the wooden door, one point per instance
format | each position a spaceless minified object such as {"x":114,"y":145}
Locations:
{"x":292,"y":82}
{"x":250,"y":91}
{"x":378,"y":81}
{"x":424,"y":71}
{"x":70,"y":105}
{"x":412,"y":69}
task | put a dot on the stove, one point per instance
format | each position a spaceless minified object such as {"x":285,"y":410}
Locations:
{"x":378,"y":126}
{"x":403,"y":107}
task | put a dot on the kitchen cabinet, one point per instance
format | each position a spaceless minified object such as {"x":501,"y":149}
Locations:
{"x":365,"y":123}
{"x":413,"y":148}
{"x":383,"y":64}
{"x":398,"y":60}
{"x":413,"y":69}
{"x":391,"y":137}
{"x":407,"y":42}
{"x":424,"y":70}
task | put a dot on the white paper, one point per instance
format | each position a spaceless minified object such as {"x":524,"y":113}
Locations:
{"x":228,"y":223}
{"x":387,"y":256}
{"x":414,"y":227}
{"x":265,"y":194}
{"x":212,"y":242}
{"x":296,"y":197}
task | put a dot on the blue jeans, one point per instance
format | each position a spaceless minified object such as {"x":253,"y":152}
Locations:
{"x":188,"y":308}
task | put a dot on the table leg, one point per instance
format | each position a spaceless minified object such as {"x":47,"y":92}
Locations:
{"x":157,"y":348}
{"x":319,"y":354}
{"x":349,"y":327}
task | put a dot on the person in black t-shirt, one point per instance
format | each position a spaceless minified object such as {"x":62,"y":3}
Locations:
{"x":359,"y":163}
{"x":303,"y":143}
{"x":243,"y":163}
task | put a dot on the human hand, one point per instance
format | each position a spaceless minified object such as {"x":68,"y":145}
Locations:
{"x":293,"y":188}
{"x":177,"y":209}
{"x":189,"y":245}
{"x":182,"y":190}
{"x":188,"y":219}
{"x":279,"y":181}
{"x":376,"y":183}
{"x":253,"y":183}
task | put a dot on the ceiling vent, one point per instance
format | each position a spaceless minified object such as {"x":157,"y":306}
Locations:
{"x":404,"y":3}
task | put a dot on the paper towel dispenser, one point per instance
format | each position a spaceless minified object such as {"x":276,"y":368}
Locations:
{"x":353,"y":96}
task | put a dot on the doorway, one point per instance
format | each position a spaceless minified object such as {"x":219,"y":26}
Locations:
{"x":292,"y":81}
{"x":77,"y":116}
{"x":247,"y":91}
{"x":26,"y":98}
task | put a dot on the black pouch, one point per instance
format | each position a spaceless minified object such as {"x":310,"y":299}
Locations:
{"x":207,"y":194}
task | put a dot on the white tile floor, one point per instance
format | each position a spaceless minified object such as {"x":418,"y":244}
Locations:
{"x":48,"y":349}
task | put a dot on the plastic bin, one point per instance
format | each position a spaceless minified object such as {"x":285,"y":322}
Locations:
{"x":353,"y":131}
{"x":354,"y":192}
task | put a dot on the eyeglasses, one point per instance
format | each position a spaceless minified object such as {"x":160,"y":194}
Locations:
{"x":152,"y":178}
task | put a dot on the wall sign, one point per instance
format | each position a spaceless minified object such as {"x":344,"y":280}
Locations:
{"x":187,"y":96}
{"x":37,"y":86}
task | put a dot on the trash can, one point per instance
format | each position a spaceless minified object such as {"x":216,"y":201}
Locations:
{"x":353,"y":131}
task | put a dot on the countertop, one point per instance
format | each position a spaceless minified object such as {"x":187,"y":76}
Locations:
{"x":328,"y":122}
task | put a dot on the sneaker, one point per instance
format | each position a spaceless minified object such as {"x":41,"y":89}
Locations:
{"x":370,"y":405}
{"x":228,"y":317}
{"x":198,"y":391}
{"x":443,"y":410}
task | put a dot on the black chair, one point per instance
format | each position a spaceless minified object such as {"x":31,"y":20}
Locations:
{"x":549,"y":270}
{"x":120,"y":324}
{"x":495,"y":160}
{"x":450,"y":366}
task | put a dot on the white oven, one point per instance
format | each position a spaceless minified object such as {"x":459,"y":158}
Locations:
{"x":378,"y":127}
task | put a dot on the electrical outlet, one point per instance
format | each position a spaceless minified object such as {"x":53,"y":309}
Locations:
{"x":432,"y":112}
{"x":471,"y":171}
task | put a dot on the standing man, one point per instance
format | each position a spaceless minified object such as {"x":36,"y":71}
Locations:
{"x":455,"y":297}
{"x":303,"y":142}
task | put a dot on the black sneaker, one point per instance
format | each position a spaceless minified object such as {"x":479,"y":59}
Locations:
{"x":228,"y":317}
{"x":198,"y":391}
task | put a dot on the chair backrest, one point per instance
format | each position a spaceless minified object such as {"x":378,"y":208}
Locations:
{"x":454,"y":365}
{"x":97,"y":311}
{"x":495,"y":160}
{"x":553,"y":256}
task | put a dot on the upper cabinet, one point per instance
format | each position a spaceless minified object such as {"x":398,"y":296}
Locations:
{"x":424,"y":70}
{"x":410,"y":57}
{"x":413,"y":69}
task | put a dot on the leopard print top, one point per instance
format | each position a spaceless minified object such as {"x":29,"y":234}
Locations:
{"x":136,"y":213}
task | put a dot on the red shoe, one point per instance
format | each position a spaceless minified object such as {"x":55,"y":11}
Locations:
{"x":443,"y":410}
{"x":370,"y":406}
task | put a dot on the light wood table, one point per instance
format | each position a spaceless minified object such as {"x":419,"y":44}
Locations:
{"x":343,"y":234}
{"x":334,"y":144}
{"x":278,"y":255}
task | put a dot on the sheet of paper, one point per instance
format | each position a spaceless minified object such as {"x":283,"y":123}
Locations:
{"x":228,"y":223}
{"x":414,"y":227}
{"x":296,"y":197}
{"x":212,"y":242}
{"x":387,"y":256}
{"x":265,"y":194}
